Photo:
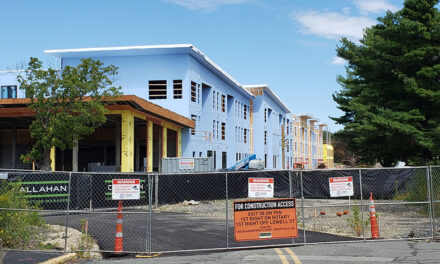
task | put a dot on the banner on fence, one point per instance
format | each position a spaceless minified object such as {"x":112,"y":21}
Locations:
{"x":265,"y":219}
{"x":126,"y":189}
{"x":341,"y":186}
{"x":260,"y":188}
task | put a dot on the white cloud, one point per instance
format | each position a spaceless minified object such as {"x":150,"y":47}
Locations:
{"x":338,"y":61}
{"x":374,"y":6}
{"x":346,"y":10}
{"x":206,"y":5}
{"x":332,"y":25}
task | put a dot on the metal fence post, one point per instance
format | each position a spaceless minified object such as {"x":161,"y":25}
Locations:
{"x":67,"y":213}
{"x":362,"y":204}
{"x":430,"y":201}
{"x":147,"y":195}
{"x":91,"y":191}
{"x":150,"y":204}
{"x":290,"y":193}
{"x":302,"y":207}
{"x":227,"y":210}
{"x":290,"y":184}
{"x":156,"y":191}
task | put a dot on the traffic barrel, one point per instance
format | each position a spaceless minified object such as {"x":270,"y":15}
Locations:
{"x":373,"y":219}
{"x":118,"y":236}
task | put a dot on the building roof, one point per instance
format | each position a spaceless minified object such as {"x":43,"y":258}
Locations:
{"x":305,"y":116}
{"x":254,"y":87}
{"x":18,"y":108}
{"x":152,"y":50}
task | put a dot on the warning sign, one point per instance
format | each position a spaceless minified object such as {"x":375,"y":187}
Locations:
{"x":265,"y":219}
{"x":341,"y":186}
{"x":126,"y":189}
{"x":260,"y":187}
{"x":186,"y":164}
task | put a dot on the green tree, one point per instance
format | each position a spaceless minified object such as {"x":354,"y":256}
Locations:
{"x":68,"y":104}
{"x":390,"y":95}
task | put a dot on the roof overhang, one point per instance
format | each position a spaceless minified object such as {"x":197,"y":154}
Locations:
{"x":152,"y":50}
{"x":253,"y":88}
{"x":18,"y":108}
{"x":305,"y":116}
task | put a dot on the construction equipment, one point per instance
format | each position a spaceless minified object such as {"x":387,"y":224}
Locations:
{"x":245,"y":163}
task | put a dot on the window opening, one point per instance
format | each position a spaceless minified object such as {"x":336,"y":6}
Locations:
{"x":193,"y":130}
{"x":193,"y":91}
{"x":245,"y":136}
{"x":177,"y":88}
{"x":157,"y":89}
{"x":244,"y":111}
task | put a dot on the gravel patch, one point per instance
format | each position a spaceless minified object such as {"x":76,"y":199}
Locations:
{"x":395,"y":220}
{"x":54,"y":237}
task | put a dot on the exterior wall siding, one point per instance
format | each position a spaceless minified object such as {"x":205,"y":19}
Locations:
{"x":134,"y":73}
{"x":8,"y":78}
{"x":215,"y":103}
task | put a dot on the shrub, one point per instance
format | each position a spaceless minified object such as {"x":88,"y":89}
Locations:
{"x":17,"y":228}
{"x":355,"y":221}
{"x":416,"y":190}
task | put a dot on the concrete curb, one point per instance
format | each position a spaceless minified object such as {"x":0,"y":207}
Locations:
{"x":60,"y":259}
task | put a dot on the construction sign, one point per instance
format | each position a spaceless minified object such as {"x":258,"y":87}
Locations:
{"x":341,"y":186}
{"x":265,"y":219}
{"x":186,"y":164}
{"x":260,"y":187}
{"x":126,"y":189}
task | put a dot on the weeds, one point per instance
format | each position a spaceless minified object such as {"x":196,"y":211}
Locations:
{"x":18,"y":228}
{"x":355,"y":221}
{"x":86,"y":242}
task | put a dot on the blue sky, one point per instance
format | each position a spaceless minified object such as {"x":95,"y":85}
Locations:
{"x":287,"y":44}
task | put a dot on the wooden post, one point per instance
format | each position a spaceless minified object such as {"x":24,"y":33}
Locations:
{"x":52,"y":158}
{"x":164,"y":141}
{"x":127,"y":142}
{"x":136,"y":149}
{"x":149,"y":146}
{"x":118,"y":146}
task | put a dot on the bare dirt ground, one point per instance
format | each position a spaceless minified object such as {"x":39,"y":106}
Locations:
{"x":395,"y":221}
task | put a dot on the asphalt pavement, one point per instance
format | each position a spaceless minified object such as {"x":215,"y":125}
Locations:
{"x":28,"y":257}
{"x":377,"y":252}
{"x":172,"y":231}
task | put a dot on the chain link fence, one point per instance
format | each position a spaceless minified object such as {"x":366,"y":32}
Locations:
{"x":74,"y":212}
{"x":435,"y":198}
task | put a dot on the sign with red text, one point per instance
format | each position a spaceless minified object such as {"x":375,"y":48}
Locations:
{"x":186,"y":164}
{"x":126,"y":189}
{"x":260,"y":187}
{"x":265,"y":219}
{"x":341,"y":186}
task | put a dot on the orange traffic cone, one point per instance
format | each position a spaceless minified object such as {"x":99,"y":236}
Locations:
{"x":373,"y":219}
{"x":118,"y":236}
